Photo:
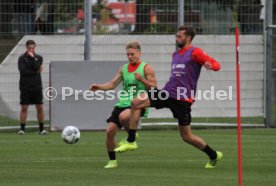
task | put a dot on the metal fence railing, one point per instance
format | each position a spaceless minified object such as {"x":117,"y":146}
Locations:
{"x":21,"y":17}
{"x":273,"y":83}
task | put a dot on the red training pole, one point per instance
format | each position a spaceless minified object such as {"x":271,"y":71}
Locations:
{"x":238,"y":107}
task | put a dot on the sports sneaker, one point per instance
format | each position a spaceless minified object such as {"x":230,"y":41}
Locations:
{"x":21,"y":132}
{"x":111,"y":164}
{"x":212,"y":163}
{"x":43,"y":132}
{"x":127,"y":146}
{"x":125,"y":139}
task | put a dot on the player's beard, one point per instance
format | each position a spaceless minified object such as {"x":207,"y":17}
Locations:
{"x":181,"y":45}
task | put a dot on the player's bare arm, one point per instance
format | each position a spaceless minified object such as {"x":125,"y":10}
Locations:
{"x":150,"y":80}
{"x":109,"y":85}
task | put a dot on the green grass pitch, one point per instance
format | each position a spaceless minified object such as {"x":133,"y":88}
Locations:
{"x":161,"y":159}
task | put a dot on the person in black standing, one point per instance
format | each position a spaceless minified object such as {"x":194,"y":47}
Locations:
{"x":30,"y":85}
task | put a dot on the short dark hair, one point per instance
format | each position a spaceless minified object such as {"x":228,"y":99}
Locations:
{"x":189,"y":30}
{"x":134,"y":45}
{"x":30,"y":42}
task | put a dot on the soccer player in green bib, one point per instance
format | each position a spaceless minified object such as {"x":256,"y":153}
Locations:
{"x":136,"y":77}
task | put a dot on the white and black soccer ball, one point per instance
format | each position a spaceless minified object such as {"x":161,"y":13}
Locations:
{"x":70,"y":134}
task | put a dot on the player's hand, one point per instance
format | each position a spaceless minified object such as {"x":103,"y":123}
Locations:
{"x":94,"y":87}
{"x":40,"y":68}
{"x":30,"y":54}
{"x":138,"y":76}
{"x":208,"y":65}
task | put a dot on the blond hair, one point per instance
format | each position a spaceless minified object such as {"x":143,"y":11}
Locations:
{"x":134,"y":45}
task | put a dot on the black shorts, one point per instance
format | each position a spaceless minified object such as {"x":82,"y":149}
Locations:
{"x":31,"y":97}
{"x":181,"y":109}
{"x":115,"y":116}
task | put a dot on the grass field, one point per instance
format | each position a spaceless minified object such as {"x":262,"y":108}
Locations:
{"x":161,"y":159}
{"x":5,"y":121}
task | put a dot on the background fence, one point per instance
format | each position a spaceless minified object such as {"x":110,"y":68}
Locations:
{"x":51,"y":22}
{"x":21,"y":17}
{"x":273,"y":81}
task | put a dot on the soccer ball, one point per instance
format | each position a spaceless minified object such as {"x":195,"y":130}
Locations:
{"x":70,"y":134}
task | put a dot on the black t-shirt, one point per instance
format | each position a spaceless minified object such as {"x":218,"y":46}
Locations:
{"x":30,"y":78}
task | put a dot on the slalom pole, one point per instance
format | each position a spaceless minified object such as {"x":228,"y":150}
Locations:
{"x":238,"y":107}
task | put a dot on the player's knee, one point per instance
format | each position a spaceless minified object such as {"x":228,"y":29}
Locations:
{"x":39,"y":110}
{"x":123,"y":119}
{"x":110,"y":132}
{"x":124,"y":116}
{"x":24,"y":109}
{"x":187,"y":138}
